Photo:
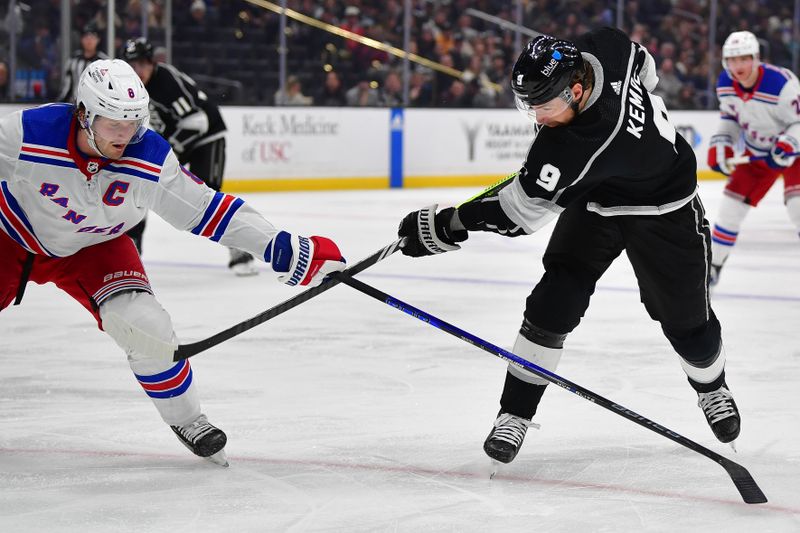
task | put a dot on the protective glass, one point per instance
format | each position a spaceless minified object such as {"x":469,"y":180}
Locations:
{"x":541,"y":113}
{"x":119,"y":131}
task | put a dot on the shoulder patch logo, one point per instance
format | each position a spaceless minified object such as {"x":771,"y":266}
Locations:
{"x":617,"y":86}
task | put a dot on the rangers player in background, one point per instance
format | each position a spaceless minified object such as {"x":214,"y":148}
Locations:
{"x":192,"y":124}
{"x":74,"y":178}
{"x":609,"y":165}
{"x":761,"y":103}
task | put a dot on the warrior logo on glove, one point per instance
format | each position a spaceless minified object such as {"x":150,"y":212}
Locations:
{"x":303,"y":260}
{"x":429,"y":233}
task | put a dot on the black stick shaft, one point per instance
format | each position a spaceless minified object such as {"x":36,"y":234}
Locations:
{"x":744,"y":482}
{"x":184,"y":351}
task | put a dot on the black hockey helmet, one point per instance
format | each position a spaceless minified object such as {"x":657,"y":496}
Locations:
{"x":544,"y":69}
{"x":139,"y":48}
{"x":90,"y":28}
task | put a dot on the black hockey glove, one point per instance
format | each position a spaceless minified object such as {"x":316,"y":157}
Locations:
{"x":429,"y":233}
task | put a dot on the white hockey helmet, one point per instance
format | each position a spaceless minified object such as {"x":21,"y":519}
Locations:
{"x":740,"y":43}
{"x":111,"y":89}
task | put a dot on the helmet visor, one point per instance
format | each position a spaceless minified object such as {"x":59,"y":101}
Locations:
{"x":119,"y":131}
{"x":541,"y":113}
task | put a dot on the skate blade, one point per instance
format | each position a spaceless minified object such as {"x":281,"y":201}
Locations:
{"x":495,"y":467}
{"x":243,"y":270}
{"x":219,"y":458}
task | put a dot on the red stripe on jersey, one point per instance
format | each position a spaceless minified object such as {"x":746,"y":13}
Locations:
{"x":144,"y":166}
{"x":30,"y":239}
{"x":221,"y":210}
{"x":45,"y":152}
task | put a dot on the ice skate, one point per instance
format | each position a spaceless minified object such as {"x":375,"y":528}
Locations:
{"x":242,"y":263}
{"x":203,"y":439}
{"x":721,"y":413}
{"x":505,"y":439}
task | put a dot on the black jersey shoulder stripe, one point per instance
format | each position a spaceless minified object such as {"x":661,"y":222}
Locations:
{"x":620,"y":120}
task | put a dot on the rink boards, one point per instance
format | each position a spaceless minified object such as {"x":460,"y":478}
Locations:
{"x":312,"y":148}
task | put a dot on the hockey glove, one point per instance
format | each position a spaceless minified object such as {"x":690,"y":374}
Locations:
{"x":303,"y":260}
{"x":779,"y":155}
{"x":428,"y":233}
{"x":719,"y":151}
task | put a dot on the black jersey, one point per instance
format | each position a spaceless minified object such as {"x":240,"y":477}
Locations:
{"x":180,"y":112}
{"x":72,"y":74}
{"x":620,"y":155}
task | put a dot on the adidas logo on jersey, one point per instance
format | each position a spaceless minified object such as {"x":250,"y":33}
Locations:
{"x":616,"y":85}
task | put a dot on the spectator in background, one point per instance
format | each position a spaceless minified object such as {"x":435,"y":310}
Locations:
{"x":90,"y":40}
{"x":362,"y":94}
{"x":132,"y":26}
{"x":292,"y":95}
{"x":445,"y":40}
{"x":4,"y":89}
{"x":426,"y":44}
{"x":332,"y":92}
{"x":665,"y":51}
{"x":352,"y":23}
{"x":669,"y":84}
{"x":455,"y":96}
{"x":391,"y":94}
{"x":420,"y":92}
{"x":39,"y":54}
{"x":687,"y":99}
{"x":484,"y":91}
{"x":197,"y":14}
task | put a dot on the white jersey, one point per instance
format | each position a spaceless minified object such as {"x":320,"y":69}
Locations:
{"x":771,"y":108}
{"x":54,"y":200}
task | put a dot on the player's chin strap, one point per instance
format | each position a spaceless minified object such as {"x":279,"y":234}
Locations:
{"x":90,"y":138}
{"x":744,"y":482}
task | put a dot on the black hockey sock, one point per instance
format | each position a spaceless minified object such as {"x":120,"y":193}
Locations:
{"x":708,"y":387}
{"x":520,"y":398}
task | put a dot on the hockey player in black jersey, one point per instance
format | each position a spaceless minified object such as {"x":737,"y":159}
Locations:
{"x":193,"y":125}
{"x":608,"y":163}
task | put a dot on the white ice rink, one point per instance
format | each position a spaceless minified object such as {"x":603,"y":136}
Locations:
{"x":346,"y":415}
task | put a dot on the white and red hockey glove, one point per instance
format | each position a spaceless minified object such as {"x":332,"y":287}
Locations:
{"x":303,"y":260}
{"x":719,"y":151}
{"x":779,"y":155}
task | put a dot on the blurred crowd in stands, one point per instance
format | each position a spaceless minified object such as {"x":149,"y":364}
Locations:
{"x":231,"y":46}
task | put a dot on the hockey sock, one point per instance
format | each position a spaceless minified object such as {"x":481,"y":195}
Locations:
{"x":732,"y":213}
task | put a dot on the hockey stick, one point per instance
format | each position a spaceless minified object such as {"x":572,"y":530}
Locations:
{"x":744,"y":159}
{"x":184,"y":351}
{"x":744,"y":482}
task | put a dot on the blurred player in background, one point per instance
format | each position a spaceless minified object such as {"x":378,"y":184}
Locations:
{"x":74,"y":179}
{"x":192,"y":124}
{"x":606,"y":162}
{"x":761,"y":103}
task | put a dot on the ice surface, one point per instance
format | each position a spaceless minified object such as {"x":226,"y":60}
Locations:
{"x":345,"y":415}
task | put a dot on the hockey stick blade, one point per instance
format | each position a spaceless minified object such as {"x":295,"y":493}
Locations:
{"x":185,"y":351}
{"x":741,"y":478}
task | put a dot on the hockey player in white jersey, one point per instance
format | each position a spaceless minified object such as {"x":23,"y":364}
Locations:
{"x":74,"y":178}
{"x":760,"y":103}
